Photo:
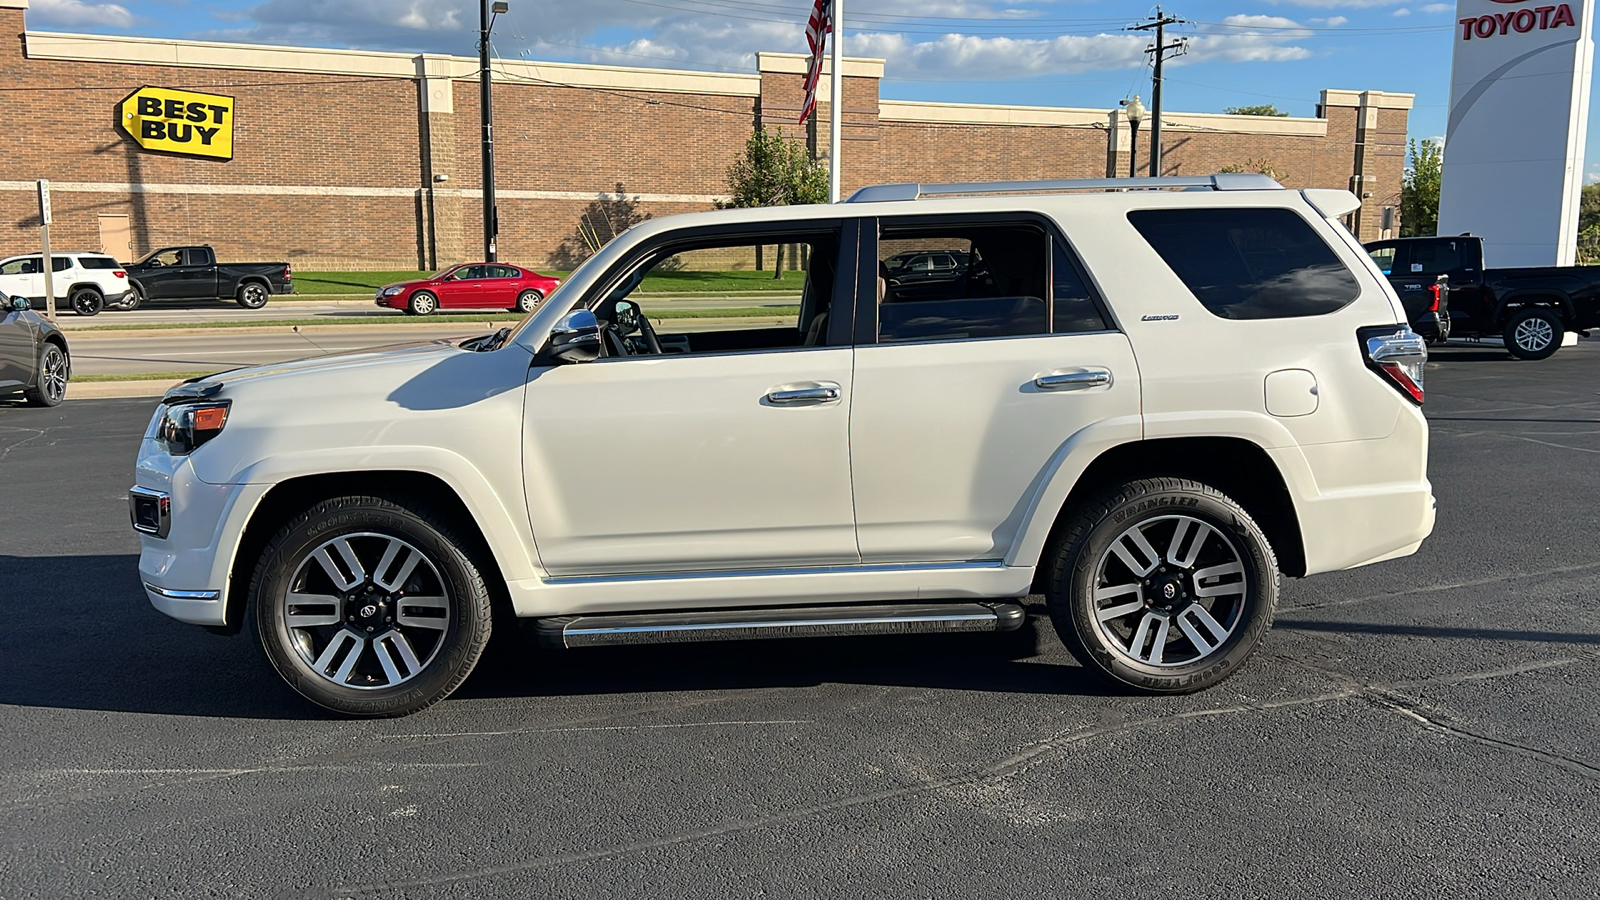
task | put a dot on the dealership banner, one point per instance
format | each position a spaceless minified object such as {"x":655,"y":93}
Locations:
{"x":1519,"y":107}
{"x":176,"y":121}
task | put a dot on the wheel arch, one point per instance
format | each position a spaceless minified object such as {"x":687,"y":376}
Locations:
{"x":1236,"y":466}
{"x":1515,"y":301}
{"x":288,"y":498}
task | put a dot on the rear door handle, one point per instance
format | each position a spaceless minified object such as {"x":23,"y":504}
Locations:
{"x":825,"y":392}
{"x":1075,"y":380}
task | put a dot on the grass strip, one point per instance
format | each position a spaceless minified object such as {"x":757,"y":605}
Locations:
{"x":138,"y":376}
{"x":741,"y":312}
{"x":660,"y":282}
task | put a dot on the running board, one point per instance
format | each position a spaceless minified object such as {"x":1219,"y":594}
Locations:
{"x":783,"y":622}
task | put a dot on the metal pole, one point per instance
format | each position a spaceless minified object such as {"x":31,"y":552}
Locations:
{"x":1155,"y":100}
{"x":1133,"y":149}
{"x":491,"y":221}
{"x":44,"y":250}
{"x":836,"y":101}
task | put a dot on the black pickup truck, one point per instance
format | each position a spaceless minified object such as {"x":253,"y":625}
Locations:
{"x":1530,"y":308}
{"x":193,"y":273}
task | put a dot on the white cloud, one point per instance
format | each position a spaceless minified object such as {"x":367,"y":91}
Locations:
{"x":662,"y":35}
{"x":1332,"y":4}
{"x":77,"y":13}
{"x":1331,"y":21}
{"x":1439,"y":7}
{"x":1402,"y":12}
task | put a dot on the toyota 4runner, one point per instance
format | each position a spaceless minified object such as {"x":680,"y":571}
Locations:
{"x":1140,"y":398}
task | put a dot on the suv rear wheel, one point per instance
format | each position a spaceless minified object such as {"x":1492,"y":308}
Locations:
{"x":370,"y":608}
{"x":1164,"y":584}
{"x":87,"y":302}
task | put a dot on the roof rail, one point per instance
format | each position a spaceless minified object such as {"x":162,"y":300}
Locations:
{"x":1223,"y":181}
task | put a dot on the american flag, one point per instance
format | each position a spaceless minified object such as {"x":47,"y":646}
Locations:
{"x":817,"y":29}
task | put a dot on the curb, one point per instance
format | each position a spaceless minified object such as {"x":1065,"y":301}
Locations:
{"x":108,"y":390}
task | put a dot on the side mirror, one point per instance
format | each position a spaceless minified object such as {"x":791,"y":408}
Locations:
{"x":576,"y":338}
{"x":19,"y":304}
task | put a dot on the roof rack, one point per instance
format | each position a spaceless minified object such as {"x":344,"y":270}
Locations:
{"x":1224,"y":181}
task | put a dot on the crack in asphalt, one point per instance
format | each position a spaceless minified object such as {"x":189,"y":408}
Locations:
{"x":1029,"y":756}
{"x":1399,"y":704}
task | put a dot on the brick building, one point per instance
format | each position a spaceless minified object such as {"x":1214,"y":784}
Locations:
{"x":348,"y":159}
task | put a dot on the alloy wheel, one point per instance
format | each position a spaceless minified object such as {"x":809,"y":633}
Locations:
{"x":1533,"y":334}
{"x":366,"y":611}
{"x":1171,"y":607}
{"x":53,"y":375}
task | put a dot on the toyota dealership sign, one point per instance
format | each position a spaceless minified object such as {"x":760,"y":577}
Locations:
{"x":1519,"y":105}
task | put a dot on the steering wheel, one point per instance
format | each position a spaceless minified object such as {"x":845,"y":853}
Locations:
{"x":648,"y":333}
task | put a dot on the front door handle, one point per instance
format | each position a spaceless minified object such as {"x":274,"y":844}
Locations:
{"x":820,"y":393}
{"x":1076,"y":380}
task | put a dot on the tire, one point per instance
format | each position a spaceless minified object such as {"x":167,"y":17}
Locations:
{"x":422,"y":303}
{"x":252,"y":295}
{"x":367,"y":651}
{"x":87,"y":302}
{"x":528,"y":301}
{"x":50,"y":388}
{"x":131,"y":301}
{"x":1534,"y":333}
{"x":1159,"y":644}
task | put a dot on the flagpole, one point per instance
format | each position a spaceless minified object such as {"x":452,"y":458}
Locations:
{"x":836,"y":100}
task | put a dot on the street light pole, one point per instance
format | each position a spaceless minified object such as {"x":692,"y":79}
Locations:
{"x":491,"y":215}
{"x":1135,"y":111}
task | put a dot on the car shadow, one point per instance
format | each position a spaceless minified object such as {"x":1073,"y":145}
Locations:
{"x":80,"y":634}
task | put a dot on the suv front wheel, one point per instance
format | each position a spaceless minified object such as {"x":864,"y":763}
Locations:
{"x":370,"y":608}
{"x":1164,"y":584}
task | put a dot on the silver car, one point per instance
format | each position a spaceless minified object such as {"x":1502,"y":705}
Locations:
{"x":33,"y":354}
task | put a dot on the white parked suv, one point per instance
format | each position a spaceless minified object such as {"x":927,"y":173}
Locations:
{"x":1140,"y":398}
{"x":87,"y":282}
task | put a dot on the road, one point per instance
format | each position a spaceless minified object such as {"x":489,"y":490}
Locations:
{"x":1419,"y":728}
{"x":357,"y":307}
{"x":123,"y":353}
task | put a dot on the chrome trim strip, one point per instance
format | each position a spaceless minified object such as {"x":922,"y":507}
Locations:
{"x":182,"y":595}
{"x":876,"y":568}
{"x":781,"y":623}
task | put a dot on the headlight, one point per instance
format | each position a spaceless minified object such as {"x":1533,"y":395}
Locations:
{"x":185,"y":426}
{"x":391,"y":291}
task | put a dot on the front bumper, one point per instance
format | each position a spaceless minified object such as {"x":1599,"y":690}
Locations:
{"x":186,"y":572}
{"x":392,"y":301}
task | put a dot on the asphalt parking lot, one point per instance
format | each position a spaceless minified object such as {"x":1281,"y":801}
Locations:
{"x":1420,"y":728}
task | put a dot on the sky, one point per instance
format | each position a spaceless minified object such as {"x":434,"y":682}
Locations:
{"x":1032,"y":52}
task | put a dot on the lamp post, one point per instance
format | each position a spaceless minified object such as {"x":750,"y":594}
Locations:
{"x":1135,"y":111}
{"x":491,"y":215}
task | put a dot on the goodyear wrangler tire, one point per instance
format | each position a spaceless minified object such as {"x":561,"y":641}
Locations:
{"x":1164,"y":585}
{"x":370,"y":608}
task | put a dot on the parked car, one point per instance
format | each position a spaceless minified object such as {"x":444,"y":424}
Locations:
{"x":193,"y":273}
{"x":1530,"y":308}
{"x":470,"y":286}
{"x":85,"y":282}
{"x":33,"y":354}
{"x":1148,"y":405}
{"x":919,"y":265}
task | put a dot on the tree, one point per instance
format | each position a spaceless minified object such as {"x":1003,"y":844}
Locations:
{"x":1262,"y":166}
{"x":774,"y":171}
{"x":1419,"y":190}
{"x":1265,"y":109}
{"x":1589,"y":225}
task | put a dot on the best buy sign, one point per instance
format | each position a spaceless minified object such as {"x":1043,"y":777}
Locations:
{"x":179,"y":121}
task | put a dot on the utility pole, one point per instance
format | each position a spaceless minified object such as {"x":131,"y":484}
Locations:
{"x":1159,"y":50}
{"x":491,"y":215}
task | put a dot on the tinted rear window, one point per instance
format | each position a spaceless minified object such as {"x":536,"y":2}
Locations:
{"x":1249,"y":263}
{"x":97,"y":262}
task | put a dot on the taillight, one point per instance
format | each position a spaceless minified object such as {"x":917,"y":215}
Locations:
{"x":1433,"y":297}
{"x":288,"y":272}
{"x":118,"y":273}
{"x":1398,"y":354}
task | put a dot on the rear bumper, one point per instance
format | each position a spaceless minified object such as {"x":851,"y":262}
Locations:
{"x":1433,"y":326}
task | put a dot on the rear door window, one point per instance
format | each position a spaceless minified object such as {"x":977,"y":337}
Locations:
{"x":1437,"y":257}
{"x":1249,"y":263}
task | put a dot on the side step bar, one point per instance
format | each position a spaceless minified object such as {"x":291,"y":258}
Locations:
{"x":784,"y":622}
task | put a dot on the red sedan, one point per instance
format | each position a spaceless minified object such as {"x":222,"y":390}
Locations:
{"x":470,"y":286}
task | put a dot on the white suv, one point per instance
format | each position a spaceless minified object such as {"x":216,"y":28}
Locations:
{"x":87,"y":282}
{"x":1141,"y":398}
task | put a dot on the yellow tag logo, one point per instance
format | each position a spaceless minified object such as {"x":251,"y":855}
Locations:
{"x":179,"y":122}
